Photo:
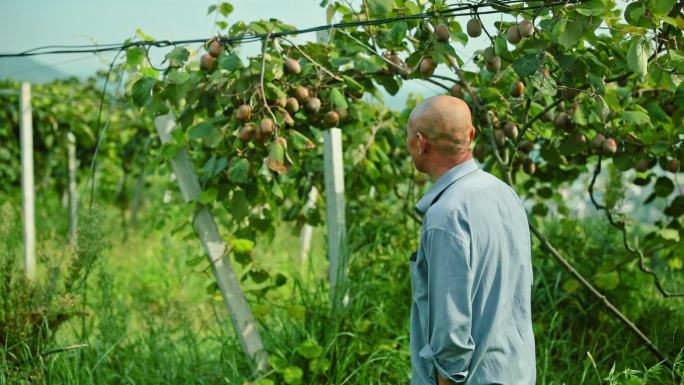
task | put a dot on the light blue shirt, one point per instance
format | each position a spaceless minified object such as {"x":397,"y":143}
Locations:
{"x":471,"y":282}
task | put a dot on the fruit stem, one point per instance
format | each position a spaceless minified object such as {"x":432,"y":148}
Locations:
{"x":261,"y":82}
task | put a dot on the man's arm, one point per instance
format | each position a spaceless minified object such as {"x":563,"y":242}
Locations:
{"x":450,"y":280}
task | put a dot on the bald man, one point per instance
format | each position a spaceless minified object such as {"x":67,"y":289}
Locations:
{"x":472,"y":274}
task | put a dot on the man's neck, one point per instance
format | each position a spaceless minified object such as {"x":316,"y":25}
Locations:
{"x":445,"y":164}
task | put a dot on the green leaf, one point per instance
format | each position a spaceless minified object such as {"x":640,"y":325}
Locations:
{"x":208,"y":196}
{"x":636,"y":117}
{"x":310,"y":349}
{"x":134,"y":56}
{"x":547,"y":86}
{"x":230,"y":62}
{"x":661,"y":7}
{"x":293,"y":375}
{"x":379,"y":8}
{"x":571,"y":34}
{"x":241,"y":246}
{"x":669,"y":234}
{"x":663,"y":186}
{"x":238,"y":171}
{"x":276,"y":156}
{"x":337,"y":99}
{"x":225,"y":9}
{"x":177,"y":57}
{"x":141,"y":91}
{"x":607,"y":281}
{"x":192,"y":262}
{"x":637,"y":55}
{"x":178,"y":77}
{"x":676,"y":208}
{"x":526,"y":65}
{"x":201,"y":130}
{"x":397,"y":33}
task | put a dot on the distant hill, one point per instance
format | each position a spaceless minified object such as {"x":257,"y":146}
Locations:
{"x":27,"y":69}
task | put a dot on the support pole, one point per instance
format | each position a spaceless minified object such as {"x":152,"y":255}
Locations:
{"x":307,"y":230}
{"x":27,"y":185}
{"x":73,"y":188}
{"x":335,"y":207}
{"x":205,"y":226}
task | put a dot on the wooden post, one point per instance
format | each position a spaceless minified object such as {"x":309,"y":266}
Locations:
{"x":307,"y":230}
{"x":73,"y":187}
{"x":27,"y":185}
{"x":215,"y":248}
{"x":335,"y":206}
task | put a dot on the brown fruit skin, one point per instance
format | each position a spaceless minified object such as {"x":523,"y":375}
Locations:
{"x":641,"y":165}
{"x":561,"y":121}
{"x":673,"y":166}
{"x":499,"y":137}
{"x":513,"y":34}
{"x":265,"y":129}
{"x":526,"y":28}
{"x":493,"y":65}
{"x":442,"y":32}
{"x":393,"y":58}
{"x":529,"y":167}
{"x":511,"y":130}
{"x":292,"y":105}
{"x":215,"y":48}
{"x":456,"y":91}
{"x":246,"y":133}
{"x":597,"y":142}
{"x":292,"y":66}
{"x":302,"y":94}
{"x":474,"y":28}
{"x":526,"y":146}
{"x":331,"y":119}
{"x":343,"y":114}
{"x":287,"y":119}
{"x":281,"y":102}
{"x":609,"y":147}
{"x":243,"y":113}
{"x":517,"y":89}
{"x":313,"y":105}
{"x":427,"y":66}
{"x":489,"y":54}
{"x":207,"y":63}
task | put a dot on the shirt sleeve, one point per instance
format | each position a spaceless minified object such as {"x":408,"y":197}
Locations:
{"x":450,"y":281}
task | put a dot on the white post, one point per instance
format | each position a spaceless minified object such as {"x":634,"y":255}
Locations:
{"x":27,"y":185}
{"x":215,"y":248}
{"x":335,"y":206}
{"x":73,"y":187}
{"x":307,"y":230}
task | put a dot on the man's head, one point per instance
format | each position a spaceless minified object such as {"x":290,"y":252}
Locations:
{"x":439,"y":134}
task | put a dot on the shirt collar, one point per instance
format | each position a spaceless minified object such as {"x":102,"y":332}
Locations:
{"x":443,"y":182}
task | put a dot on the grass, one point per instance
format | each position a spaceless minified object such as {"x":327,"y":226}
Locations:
{"x":151,"y":319}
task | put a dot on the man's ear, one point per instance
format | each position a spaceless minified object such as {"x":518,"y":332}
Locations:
{"x":423,"y":142}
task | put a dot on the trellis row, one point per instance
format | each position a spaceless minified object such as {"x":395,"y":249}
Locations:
{"x":216,"y":250}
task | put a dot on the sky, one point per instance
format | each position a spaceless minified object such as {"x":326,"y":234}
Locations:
{"x":26,"y":24}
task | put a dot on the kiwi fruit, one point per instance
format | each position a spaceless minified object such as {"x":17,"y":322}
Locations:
{"x":641,"y":165}
{"x":609,"y":147}
{"x":474,"y":28}
{"x":526,"y":146}
{"x":511,"y":130}
{"x":513,"y":34}
{"x":526,"y":28}
{"x":456,"y":91}
{"x":246,"y":133}
{"x":292,"y":105}
{"x":313,"y":105}
{"x":529,"y":166}
{"x":215,"y":48}
{"x":292,"y":66}
{"x":597,"y":142}
{"x":207,"y":63}
{"x":331,"y":119}
{"x":302,"y":94}
{"x":427,"y":66}
{"x":673,"y":165}
{"x":342,"y":114}
{"x":489,"y":54}
{"x":243,"y":113}
{"x":517,"y":89}
{"x":442,"y":32}
{"x":493,"y":65}
{"x":266,"y":127}
{"x":499,"y":137}
{"x":562,"y":121}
